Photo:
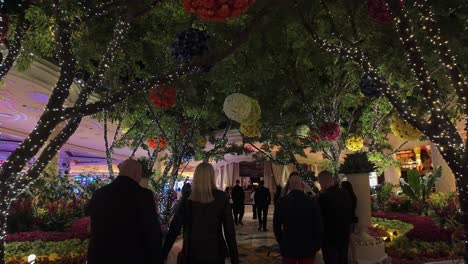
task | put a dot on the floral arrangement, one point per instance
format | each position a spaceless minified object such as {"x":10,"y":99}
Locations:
{"x":163,"y":97}
{"x":330,"y":131}
{"x":157,"y":142}
{"x":368,"y":87}
{"x":250,"y":131}
{"x":217,"y":10}
{"x":379,"y":12}
{"x":403,"y":130}
{"x":303,"y":131}
{"x":354,"y":143}
{"x":188,"y":44}
{"x":201,"y":141}
{"x":242,"y":109}
{"x":3,"y":27}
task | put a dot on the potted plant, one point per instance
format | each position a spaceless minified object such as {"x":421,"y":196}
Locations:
{"x":357,"y":169}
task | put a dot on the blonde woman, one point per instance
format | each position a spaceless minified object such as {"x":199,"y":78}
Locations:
{"x":204,"y":216}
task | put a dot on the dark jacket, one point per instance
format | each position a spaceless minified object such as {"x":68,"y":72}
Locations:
{"x":207,"y":242}
{"x":262,"y":197}
{"x":238,"y":196}
{"x":124,"y":225}
{"x":298,"y":225}
{"x":336,"y":208}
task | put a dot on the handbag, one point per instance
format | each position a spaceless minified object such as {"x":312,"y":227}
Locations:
{"x":183,"y":256}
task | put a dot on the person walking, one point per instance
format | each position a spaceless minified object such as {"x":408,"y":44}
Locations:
{"x":207,"y":221}
{"x":238,"y":198}
{"x":262,"y":201}
{"x":336,"y":208}
{"x":124,"y":223}
{"x":297,"y":224}
{"x":252,"y":200}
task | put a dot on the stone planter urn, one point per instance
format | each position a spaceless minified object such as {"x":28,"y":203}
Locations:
{"x":364,"y":249}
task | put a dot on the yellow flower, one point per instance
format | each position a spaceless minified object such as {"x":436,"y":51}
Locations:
{"x":250,"y":131}
{"x":54,"y":257}
{"x":354,"y":143}
{"x":303,"y":131}
{"x":403,"y":129}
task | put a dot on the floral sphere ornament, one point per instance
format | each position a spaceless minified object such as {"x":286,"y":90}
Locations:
{"x":188,"y":44}
{"x":238,"y":107}
{"x":403,"y":129}
{"x":330,"y":131}
{"x":303,"y":131}
{"x":255,"y":113}
{"x":163,"y":97}
{"x":217,"y":10}
{"x":354,"y":143}
{"x":4,"y":26}
{"x":189,"y":155}
{"x":380,"y":13}
{"x":157,"y":142}
{"x":250,"y":131}
{"x":368,"y":87}
{"x":201,"y":141}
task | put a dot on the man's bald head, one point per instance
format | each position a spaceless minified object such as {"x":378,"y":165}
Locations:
{"x":325,"y":179}
{"x":131,"y":168}
{"x":295,"y":182}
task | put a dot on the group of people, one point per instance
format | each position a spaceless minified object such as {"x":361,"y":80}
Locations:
{"x":260,"y":199}
{"x":304,"y":223}
{"x":125,"y":227}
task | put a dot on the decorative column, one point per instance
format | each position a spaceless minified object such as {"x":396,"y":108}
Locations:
{"x":364,"y":249}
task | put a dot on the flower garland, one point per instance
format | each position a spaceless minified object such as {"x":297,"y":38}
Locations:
{"x":163,"y":97}
{"x":188,"y":44}
{"x":379,"y":12}
{"x":250,"y":131}
{"x":403,"y":129}
{"x":238,"y":107}
{"x":4,"y":26}
{"x":354,"y":143}
{"x":303,"y":131}
{"x":156,"y":142}
{"x":330,"y":131}
{"x":367,"y":86}
{"x":217,"y":10}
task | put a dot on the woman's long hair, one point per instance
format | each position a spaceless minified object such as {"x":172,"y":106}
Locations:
{"x":203,"y":184}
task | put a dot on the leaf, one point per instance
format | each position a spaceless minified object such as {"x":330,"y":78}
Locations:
{"x":414,"y":181}
{"x":431,"y":179}
{"x":406,"y":188}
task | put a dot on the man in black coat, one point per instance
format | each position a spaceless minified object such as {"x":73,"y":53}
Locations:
{"x":124,"y":224}
{"x":238,"y":207}
{"x":336,"y":208}
{"x":262,"y":201}
{"x":297,"y":224}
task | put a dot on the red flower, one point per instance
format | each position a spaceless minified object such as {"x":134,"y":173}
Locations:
{"x":379,"y":12}
{"x":160,"y":141}
{"x":330,"y":131}
{"x":163,"y":97}
{"x":217,"y":10}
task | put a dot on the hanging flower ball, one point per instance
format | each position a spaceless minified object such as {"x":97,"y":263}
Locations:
{"x":188,"y":44}
{"x":303,"y":131}
{"x":189,"y":155}
{"x":217,"y":10}
{"x":250,"y":131}
{"x":403,"y":129}
{"x":201,"y":141}
{"x":163,"y":97}
{"x":379,"y":12}
{"x":330,"y":131}
{"x":154,"y":142}
{"x":255,"y":113}
{"x":3,"y":27}
{"x":354,"y":143}
{"x":367,"y":87}
{"x":238,"y":107}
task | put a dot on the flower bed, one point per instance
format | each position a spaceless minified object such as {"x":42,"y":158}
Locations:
{"x":424,"y":227}
{"x":50,"y":247}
